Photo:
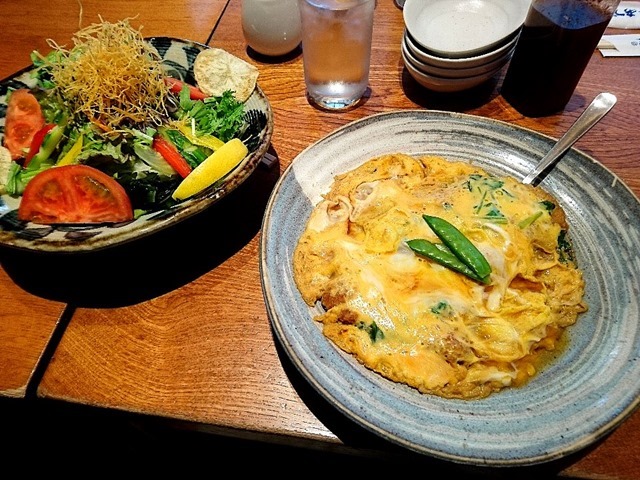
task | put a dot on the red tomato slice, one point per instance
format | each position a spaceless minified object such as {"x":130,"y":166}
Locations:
{"x":176,"y":86}
{"x":23,"y":119}
{"x":18,"y":135}
{"x":23,"y":103}
{"x":74,"y":194}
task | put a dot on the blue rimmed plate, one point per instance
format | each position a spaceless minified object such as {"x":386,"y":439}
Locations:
{"x":592,"y":385}
{"x":178,"y":56}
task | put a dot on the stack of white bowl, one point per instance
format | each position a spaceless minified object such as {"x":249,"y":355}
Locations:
{"x":453,"y":45}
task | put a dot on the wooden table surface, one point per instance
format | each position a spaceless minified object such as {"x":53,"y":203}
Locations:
{"x":28,"y":318}
{"x":187,"y":339}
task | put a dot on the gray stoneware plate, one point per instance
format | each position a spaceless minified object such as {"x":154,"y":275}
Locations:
{"x":178,"y":56}
{"x":592,"y":385}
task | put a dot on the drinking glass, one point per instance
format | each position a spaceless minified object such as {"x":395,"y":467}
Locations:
{"x":555,"y":45}
{"x":336,"y":50}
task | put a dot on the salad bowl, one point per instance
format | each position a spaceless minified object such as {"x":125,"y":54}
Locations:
{"x":178,"y":58}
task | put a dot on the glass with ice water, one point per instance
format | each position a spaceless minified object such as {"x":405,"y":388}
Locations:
{"x":336,"y":50}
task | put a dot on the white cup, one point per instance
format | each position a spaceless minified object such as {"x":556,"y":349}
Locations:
{"x":271,"y":27}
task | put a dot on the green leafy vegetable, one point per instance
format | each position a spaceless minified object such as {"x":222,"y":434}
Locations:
{"x":489,"y":187}
{"x":218,"y":116}
{"x":442,"y":308}
{"x":565,"y":250}
{"x":373,"y":330}
{"x":149,"y":191}
{"x":548,"y":206}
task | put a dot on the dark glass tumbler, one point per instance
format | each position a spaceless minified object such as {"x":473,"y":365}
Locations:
{"x":555,"y":45}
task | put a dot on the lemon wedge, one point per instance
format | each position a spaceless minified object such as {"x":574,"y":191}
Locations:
{"x":212,"y":169}
{"x":217,"y":71}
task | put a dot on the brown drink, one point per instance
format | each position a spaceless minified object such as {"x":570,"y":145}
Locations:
{"x":554,"y":48}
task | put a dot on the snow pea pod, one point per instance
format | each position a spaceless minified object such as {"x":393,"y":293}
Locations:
{"x":459,"y":245}
{"x":444,"y":257}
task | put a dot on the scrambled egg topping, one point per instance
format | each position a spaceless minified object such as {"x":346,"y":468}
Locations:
{"x":415,"y":321}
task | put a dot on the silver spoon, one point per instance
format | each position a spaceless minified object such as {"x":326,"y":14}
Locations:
{"x":592,"y":114}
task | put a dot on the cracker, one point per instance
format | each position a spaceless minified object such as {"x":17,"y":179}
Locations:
{"x":217,"y":71}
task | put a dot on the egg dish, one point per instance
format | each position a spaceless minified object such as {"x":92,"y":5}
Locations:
{"x":417,"y":320}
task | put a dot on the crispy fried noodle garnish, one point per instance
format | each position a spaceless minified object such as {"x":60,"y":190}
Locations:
{"x":111,"y":75}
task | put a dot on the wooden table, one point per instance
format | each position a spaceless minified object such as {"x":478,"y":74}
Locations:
{"x":188,"y":340}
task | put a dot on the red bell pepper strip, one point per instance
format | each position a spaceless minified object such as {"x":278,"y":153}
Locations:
{"x":172,"y":156}
{"x":176,"y":86}
{"x":36,"y":142}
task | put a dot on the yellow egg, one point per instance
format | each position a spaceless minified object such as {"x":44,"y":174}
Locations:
{"x":414,"y":320}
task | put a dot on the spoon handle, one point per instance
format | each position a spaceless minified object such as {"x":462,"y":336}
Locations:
{"x":593,"y":113}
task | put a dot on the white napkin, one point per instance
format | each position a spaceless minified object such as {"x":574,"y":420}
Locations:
{"x":626,"y":16}
{"x":620,"y":45}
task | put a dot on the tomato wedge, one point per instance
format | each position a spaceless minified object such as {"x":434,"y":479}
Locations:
{"x":74,"y":194}
{"x":23,"y":119}
{"x":23,"y":103}
{"x":176,"y":86}
{"x":18,"y":135}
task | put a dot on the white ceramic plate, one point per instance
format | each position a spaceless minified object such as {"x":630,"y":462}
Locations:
{"x":178,"y":56}
{"x":463,"y":28}
{"x":592,"y":385}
